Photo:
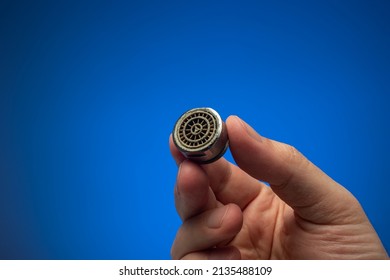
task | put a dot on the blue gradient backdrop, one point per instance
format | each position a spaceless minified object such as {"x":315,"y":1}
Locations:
{"x":89,"y":92}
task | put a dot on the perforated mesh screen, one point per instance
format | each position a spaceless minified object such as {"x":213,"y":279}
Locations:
{"x":197,"y":129}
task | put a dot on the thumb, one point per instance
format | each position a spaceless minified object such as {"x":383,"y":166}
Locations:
{"x":312,"y":194}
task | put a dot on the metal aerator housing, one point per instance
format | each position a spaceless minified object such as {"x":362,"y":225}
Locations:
{"x":201,"y":135}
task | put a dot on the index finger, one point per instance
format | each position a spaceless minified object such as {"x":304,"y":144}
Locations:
{"x":229,"y":183}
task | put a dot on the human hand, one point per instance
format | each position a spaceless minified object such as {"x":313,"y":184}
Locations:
{"x":228,"y":213}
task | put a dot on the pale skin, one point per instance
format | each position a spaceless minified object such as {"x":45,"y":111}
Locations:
{"x":228,"y":213}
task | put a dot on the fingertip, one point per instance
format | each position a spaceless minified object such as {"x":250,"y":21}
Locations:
{"x":246,"y":146}
{"x":191,"y":177}
{"x":233,"y":123}
{"x":240,"y":128}
{"x":233,"y":220}
{"x":176,"y":154}
{"x":192,"y":192}
{"x":236,"y":131}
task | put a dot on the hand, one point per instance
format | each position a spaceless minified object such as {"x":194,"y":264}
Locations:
{"x":228,"y":213}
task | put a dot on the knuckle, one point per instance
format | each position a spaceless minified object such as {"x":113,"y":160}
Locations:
{"x":295,"y":158}
{"x":292,"y":162}
{"x":292,"y":153}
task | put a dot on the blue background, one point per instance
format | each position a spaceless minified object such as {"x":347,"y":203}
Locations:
{"x":89,"y":92}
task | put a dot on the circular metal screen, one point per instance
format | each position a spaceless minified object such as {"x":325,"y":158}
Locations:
{"x":197,"y":129}
{"x":201,"y":135}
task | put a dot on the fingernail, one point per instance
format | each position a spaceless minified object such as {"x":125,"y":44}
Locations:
{"x":178,"y":179}
{"x":251,"y":132}
{"x":216,"y":218}
{"x":178,"y":159}
{"x":177,"y":162}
